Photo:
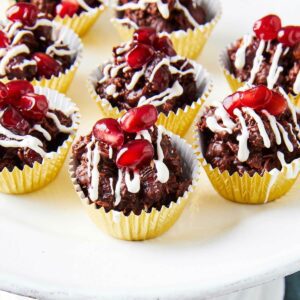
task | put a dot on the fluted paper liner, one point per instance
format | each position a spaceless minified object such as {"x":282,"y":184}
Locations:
{"x":178,"y":122}
{"x":146,"y":225}
{"x":82,"y":22}
{"x":235,"y":83}
{"x":33,"y":178}
{"x":246,"y":189}
{"x":62,"y":82}
{"x":186,"y":43}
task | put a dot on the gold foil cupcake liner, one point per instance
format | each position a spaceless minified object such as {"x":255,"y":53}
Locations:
{"x":235,"y":83}
{"x":62,"y":81}
{"x":246,"y":189}
{"x":188,"y":43}
{"x":28,"y":179}
{"x":178,"y":122}
{"x":81,"y":23}
{"x":147,"y":225}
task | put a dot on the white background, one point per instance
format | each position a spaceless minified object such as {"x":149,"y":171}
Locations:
{"x":49,"y":247}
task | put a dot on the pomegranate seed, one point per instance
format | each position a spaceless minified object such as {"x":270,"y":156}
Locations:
{"x":26,"y":13}
{"x":4,"y":40}
{"x":165,"y":45}
{"x":135,"y":154}
{"x":145,"y":35}
{"x":232,"y":102}
{"x":3,"y":95}
{"x":289,"y":35}
{"x":47,"y":65}
{"x":3,"y":91}
{"x":267,"y":27}
{"x":139,"y":56}
{"x":17,"y":88}
{"x":139,"y":118}
{"x":14,"y":121}
{"x":109,"y":131}
{"x":277,"y":105}
{"x":67,"y":8}
{"x":257,"y":97}
{"x":33,"y":107}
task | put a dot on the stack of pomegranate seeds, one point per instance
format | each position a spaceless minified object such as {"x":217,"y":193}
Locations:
{"x":258,"y":98}
{"x":269,"y":28}
{"x":146,"y":42}
{"x":136,"y":153}
{"x":20,"y":106}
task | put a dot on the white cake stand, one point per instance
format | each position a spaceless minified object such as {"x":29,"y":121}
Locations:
{"x":51,"y":250}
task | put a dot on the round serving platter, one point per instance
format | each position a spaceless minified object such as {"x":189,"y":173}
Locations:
{"x":49,"y":248}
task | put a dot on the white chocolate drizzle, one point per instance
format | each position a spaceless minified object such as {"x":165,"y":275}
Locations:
{"x":118,"y":188}
{"x":94,"y":186}
{"x":175,"y":91}
{"x":260,"y":125}
{"x":61,"y":128}
{"x":134,"y":184}
{"x":275,"y":70}
{"x":296,"y":87}
{"x":11,"y":53}
{"x":84,"y":5}
{"x":21,"y":141}
{"x":257,"y":61}
{"x":240,"y":58}
{"x":162,"y":170}
{"x":243,"y":152}
{"x":43,"y":131}
{"x":135,"y":78}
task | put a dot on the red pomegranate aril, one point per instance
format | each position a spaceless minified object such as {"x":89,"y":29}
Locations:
{"x":109,"y":131}
{"x":46,"y":65}
{"x":14,"y":121}
{"x":277,"y":104}
{"x":135,"y":155}
{"x":67,"y":8}
{"x":33,"y":107}
{"x":267,"y":27}
{"x":26,"y":13}
{"x":139,"y":118}
{"x":4,"y":40}
{"x":232,"y":102}
{"x":145,"y":35}
{"x":3,"y":95}
{"x":257,"y":97}
{"x":165,"y":45}
{"x":17,"y":88}
{"x":289,"y":35}
{"x":140,"y":55}
{"x":3,"y":91}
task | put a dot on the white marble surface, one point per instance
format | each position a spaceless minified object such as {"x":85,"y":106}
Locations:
{"x":50,"y":249}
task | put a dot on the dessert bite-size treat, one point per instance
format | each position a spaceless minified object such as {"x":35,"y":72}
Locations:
{"x":37,"y":127}
{"x":133,"y":177}
{"x":250,"y":144}
{"x":78,"y":15}
{"x":32,"y":47}
{"x":147,"y":70}
{"x":269,"y":56}
{"x":187,"y":22}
